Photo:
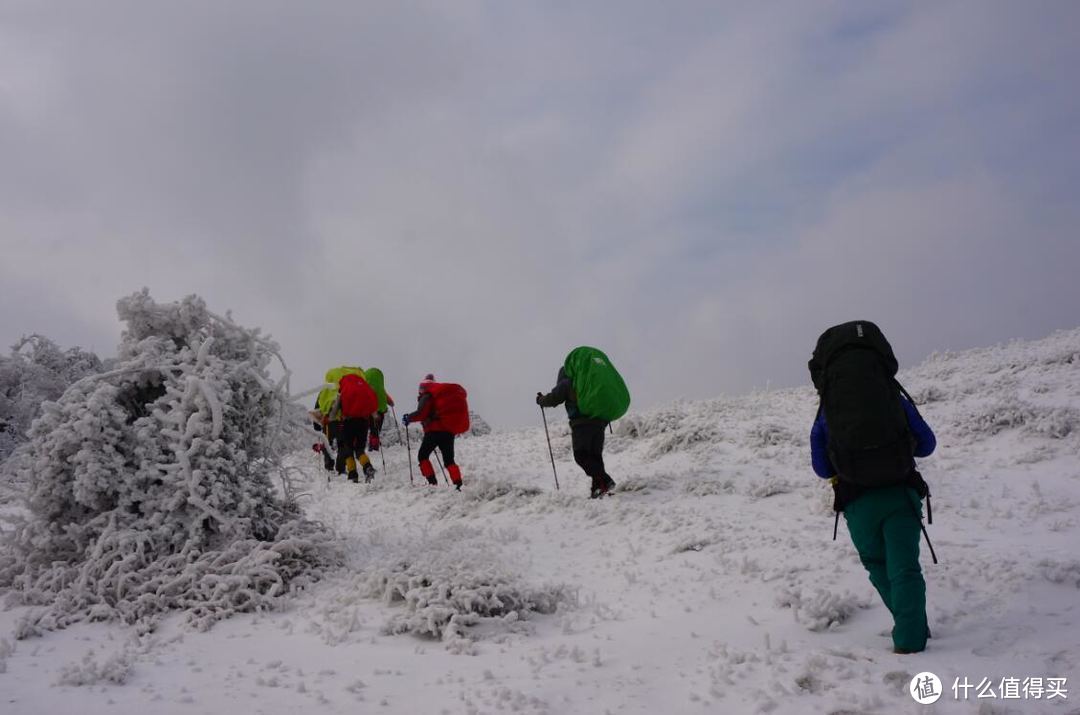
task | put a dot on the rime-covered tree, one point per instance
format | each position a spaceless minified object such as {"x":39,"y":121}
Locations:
{"x":151,"y":484}
{"x":36,"y":371}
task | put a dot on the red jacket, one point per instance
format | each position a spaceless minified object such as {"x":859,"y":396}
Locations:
{"x":425,"y":413}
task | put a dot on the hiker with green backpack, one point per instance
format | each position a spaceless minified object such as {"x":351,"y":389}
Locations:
{"x":595,"y":395}
{"x":344,"y":408}
{"x":374,"y":377}
{"x":864,"y":440}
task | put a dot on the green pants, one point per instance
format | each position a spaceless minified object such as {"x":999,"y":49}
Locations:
{"x":885,"y":526}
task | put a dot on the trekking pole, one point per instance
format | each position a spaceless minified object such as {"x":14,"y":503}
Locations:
{"x":326,"y":446}
{"x":931,"y":546}
{"x":396,"y":425}
{"x":548,"y":435}
{"x":408,"y":449}
{"x":445,"y":480}
{"x":382,"y":456}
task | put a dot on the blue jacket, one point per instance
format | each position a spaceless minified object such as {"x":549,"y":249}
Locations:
{"x":819,"y":439}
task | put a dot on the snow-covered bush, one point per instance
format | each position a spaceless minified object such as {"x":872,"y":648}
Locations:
{"x":768,"y":434}
{"x":824,"y":609}
{"x":115,"y":669}
{"x":767,"y":486}
{"x":443,"y":601}
{"x":672,"y":429}
{"x":150,"y":485}
{"x":448,"y":582}
{"x":37,"y":371}
{"x":1013,"y":412}
{"x":1063,"y":572}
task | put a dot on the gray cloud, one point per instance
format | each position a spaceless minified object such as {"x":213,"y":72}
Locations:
{"x":474,"y":188}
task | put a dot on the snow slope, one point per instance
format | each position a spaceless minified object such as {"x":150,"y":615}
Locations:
{"x":707,"y":583}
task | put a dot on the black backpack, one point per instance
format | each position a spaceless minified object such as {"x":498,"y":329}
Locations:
{"x":854,"y":371}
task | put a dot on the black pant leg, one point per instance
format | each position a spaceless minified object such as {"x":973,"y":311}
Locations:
{"x":427,"y":446}
{"x":446,"y":446}
{"x":587,"y":440}
{"x":352,"y":438}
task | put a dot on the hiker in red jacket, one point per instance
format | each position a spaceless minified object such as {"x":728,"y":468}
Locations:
{"x":353,"y":406}
{"x":443,"y":411}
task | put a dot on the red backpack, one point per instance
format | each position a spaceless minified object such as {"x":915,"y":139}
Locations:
{"x":451,"y":408}
{"x":357,"y":397}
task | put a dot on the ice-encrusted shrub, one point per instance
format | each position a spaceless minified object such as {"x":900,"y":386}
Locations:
{"x":452,"y":583}
{"x":645,"y":484}
{"x":765,"y":434}
{"x":116,"y":670}
{"x":436,"y":600}
{"x":1013,"y":412}
{"x":493,"y":490}
{"x":707,"y":485}
{"x":1061,"y":572}
{"x":150,"y":484}
{"x":697,"y":542}
{"x":823,"y":609}
{"x":499,"y":494}
{"x":671,"y":429}
{"x":1055,"y":422}
{"x":928,"y":394}
{"x":767,"y":487}
{"x":37,"y":371}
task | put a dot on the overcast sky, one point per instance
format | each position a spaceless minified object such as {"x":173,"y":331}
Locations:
{"x":474,"y":188}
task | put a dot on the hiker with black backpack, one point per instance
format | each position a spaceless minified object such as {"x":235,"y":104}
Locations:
{"x":864,"y":440}
{"x":443,"y":410}
{"x":595,"y":395}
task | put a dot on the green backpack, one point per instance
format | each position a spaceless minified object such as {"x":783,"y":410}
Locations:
{"x":599,"y":387}
{"x":374,"y":377}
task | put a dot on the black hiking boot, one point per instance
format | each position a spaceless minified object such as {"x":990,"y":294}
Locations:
{"x":600,"y":486}
{"x":354,"y":477}
{"x":369,"y":473}
{"x":433,"y":481}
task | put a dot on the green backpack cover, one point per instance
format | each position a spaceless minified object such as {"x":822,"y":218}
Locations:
{"x":599,"y":387}
{"x":333,"y":376}
{"x":374,"y":377}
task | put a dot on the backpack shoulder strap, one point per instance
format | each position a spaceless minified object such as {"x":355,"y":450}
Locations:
{"x":908,"y":396}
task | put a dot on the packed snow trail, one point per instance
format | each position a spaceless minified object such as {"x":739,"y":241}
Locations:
{"x":708,"y":582}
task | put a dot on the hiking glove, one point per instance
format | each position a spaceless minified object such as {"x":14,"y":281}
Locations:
{"x":539,"y":397}
{"x":405,"y":420}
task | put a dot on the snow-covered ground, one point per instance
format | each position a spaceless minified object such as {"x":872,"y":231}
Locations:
{"x":707,"y":583}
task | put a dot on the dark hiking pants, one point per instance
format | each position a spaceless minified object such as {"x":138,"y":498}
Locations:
{"x":445,"y":442}
{"x":352,"y":443}
{"x":587,"y":441}
{"x":885,"y":526}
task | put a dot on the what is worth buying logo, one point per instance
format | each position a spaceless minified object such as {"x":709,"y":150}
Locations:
{"x":925,"y":688}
